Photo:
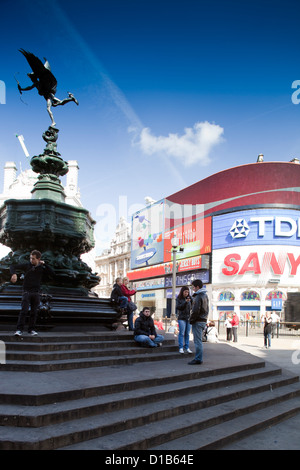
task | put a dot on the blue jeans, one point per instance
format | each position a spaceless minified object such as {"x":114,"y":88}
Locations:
{"x":184,"y":334}
{"x":146,"y":341}
{"x":198,"y":328}
{"x":267,"y":337}
{"x":130,"y":320}
{"x":123,"y":301}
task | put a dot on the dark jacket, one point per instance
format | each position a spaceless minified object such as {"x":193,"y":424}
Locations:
{"x":144,"y":326}
{"x":200,"y":306}
{"x":268,"y":325}
{"x":32,"y":275}
{"x":183,"y":309}
{"x":116,"y":293}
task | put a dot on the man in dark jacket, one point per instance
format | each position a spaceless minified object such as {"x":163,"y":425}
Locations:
{"x":33,"y":274}
{"x":117,"y":296}
{"x":198,"y":319}
{"x":145,"y":331}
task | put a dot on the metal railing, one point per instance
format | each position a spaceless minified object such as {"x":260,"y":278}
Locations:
{"x":251,"y":328}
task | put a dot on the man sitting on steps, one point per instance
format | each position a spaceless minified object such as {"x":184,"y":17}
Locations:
{"x":145,"y":331}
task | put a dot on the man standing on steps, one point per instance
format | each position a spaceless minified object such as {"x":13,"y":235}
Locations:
{"x":198,"y":318}
{"x":33,"y":273}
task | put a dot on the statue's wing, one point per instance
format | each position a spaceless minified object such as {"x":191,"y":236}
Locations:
{"x":47,"y":80}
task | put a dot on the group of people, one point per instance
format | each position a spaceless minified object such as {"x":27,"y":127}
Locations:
{"x":270,"y":322}
{"x":192,"y":312}
{"x":121,"y":297}
{"x":231,"y":325}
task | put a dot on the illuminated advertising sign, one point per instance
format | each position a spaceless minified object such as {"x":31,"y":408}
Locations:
{"x":187,"y":279}
{"x":257,"y":227}
{"x":147,"y":245}
{"x":256,"y":265}
{"x":156,"y":283}
{"x":186,"y":222}
{"x":194,"y":238}
{"x":189,"y":264}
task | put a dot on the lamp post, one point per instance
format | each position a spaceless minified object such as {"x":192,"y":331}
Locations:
{"x":175,"y":243}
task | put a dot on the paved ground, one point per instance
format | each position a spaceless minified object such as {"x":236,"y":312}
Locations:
{"x":285,"y":353}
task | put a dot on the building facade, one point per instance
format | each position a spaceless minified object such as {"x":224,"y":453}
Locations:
{"x":240,"y":231}
{"x":115,"y":261}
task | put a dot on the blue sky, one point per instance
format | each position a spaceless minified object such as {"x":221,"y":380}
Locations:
{"x":169,"y":92}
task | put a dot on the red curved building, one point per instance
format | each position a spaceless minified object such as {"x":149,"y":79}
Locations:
{"x":240,"y":230}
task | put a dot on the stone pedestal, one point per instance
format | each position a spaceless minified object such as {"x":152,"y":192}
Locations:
{"x":61,"y":232}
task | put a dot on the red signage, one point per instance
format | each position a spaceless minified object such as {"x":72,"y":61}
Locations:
{"x":188,"y":264}
{"x":253,"y":264}
{"x":194,"y":237}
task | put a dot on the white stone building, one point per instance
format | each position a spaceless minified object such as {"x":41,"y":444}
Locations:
{"x":115,"y":261}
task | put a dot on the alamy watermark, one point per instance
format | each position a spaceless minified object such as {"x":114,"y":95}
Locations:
{"x":2,"y":92}
{"x":162,"y":217}
{"x":296,"y":95}
{"x":296,"y":354}
{"x":2,"y":353}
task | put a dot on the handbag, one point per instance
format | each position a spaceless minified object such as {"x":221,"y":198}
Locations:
{"x":131,"y":306}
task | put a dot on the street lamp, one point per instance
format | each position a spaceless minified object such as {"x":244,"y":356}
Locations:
{"x":175,"y":243}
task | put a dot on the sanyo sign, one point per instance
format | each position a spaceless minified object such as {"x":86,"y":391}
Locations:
{"x":257,"y":227}
{"x":256,"y":265}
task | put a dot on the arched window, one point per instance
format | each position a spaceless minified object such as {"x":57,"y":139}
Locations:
{"x":275,"y":294}
{"x":226,"y":296}
{"x":250,"y":295}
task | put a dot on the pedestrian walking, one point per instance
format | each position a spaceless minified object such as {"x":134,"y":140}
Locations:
{"x":228,"y":327}
{"x":235,"y":323}
{"x":267,"y":330}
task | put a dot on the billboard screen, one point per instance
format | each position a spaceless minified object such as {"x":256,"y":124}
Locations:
{"x":256,"y":265}
{"x":257,"y":227}
{"x":189,"y":264}
{"x":147,"y":244}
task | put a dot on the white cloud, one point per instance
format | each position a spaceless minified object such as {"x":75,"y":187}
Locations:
{"x":194,"y":146}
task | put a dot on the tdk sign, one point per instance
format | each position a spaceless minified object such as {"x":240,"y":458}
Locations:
{"x":257,"y":227}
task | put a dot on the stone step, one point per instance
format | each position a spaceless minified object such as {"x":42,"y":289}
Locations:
{"x":56,"y":412}
{"x":36,"y":394}
{"x":165,"y":419}
{"x":67,"y":338}
{"x":68,"y":346}
{"x":44,"y":366}
{"x":218,"y":436}
{"x":49,"y":353}
{"x":64,"y":354}
{"x":193,"y":417}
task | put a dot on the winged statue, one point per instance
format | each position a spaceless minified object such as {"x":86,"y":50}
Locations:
{"x":44,"y":81}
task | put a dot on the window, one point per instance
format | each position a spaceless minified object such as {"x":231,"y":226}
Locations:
{"x":250,"y":295}
{"x":275,"y":294}
{"x":226,"y":295}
